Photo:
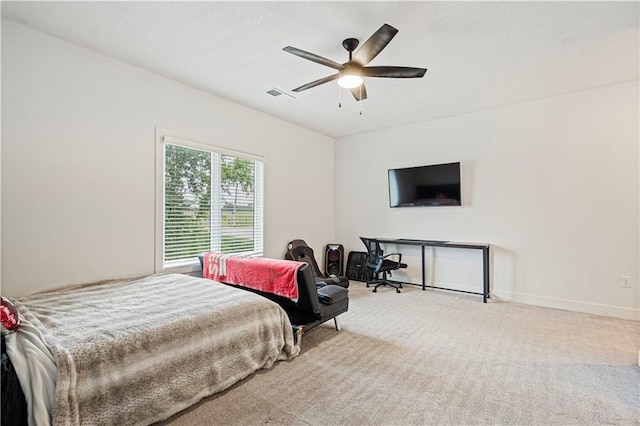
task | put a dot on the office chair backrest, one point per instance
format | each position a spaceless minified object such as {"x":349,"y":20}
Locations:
{"x":298,"y":250}
{"x":374,"y":254}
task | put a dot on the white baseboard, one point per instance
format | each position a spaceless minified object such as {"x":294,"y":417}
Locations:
{"x":569,"y":305}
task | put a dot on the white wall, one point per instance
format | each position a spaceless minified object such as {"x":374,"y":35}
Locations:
{"x":78,"y":163}
{"x":552,"y":185}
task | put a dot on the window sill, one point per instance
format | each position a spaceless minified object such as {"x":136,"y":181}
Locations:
{"x":182,"y":267}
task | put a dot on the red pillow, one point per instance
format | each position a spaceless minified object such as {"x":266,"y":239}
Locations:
{"x":9,"y":315}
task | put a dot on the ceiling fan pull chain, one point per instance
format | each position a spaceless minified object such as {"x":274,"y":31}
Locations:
{"x":360,"y":101}
{"x":339,"y":97}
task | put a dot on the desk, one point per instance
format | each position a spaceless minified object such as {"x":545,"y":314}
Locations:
{"x":452,"y":244}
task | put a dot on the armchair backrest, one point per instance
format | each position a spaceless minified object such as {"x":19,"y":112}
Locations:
{"x":301,"y":311}
{"x":374,"y":254}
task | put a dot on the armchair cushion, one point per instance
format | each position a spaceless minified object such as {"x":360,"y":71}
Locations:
{"x":339,"y":280}
{"x":331,"y":293}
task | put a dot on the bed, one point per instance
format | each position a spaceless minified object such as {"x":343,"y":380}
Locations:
{"x":137,"y":351}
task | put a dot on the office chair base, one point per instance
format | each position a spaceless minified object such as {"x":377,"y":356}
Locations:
{"x":385,"y":283}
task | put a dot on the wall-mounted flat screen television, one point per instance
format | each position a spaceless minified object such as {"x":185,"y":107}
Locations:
{"x":425,"y":186}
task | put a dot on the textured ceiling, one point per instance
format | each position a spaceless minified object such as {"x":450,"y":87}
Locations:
{"x":479,"y":55}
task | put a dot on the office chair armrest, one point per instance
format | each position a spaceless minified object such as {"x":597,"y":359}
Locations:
{"x":394,"y":254}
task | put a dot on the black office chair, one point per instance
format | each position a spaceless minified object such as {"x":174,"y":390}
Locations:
{"x":377,"y":263}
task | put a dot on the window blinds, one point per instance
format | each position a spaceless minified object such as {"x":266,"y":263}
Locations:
{"x":212,"y":201}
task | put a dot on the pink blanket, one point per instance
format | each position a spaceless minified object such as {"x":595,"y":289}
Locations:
{"x":268,"y":275}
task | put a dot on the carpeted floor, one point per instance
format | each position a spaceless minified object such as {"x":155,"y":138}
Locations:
{"x":438,"y":357}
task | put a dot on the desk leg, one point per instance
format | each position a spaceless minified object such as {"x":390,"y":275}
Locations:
{"x":485,"y":265}
{"x":424,"y":282}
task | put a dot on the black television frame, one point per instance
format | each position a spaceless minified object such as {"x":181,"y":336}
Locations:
{"x":444,"y":190}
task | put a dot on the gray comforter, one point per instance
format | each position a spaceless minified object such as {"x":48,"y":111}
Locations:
{"x":137,"y":351}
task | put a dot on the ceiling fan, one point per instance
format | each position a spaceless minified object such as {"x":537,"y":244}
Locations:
{"x":350,"y":74}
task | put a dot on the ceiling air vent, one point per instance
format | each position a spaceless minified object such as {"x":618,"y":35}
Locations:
{"x":279,"y":94}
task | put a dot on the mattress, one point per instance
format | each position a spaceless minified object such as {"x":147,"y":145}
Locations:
{"x":137,"y":351}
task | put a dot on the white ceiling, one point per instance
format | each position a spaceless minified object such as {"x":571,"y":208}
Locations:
{"x":479,"y":55}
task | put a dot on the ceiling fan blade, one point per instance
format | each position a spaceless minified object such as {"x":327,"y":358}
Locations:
{"x":316,"y":83}
{"x":313,"y":57}
{"x":375,"y":44}
{"x":393,"y":72}
{"x":360,"y":92}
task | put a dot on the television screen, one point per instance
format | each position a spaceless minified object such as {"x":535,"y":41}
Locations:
{"x":425,"y":186}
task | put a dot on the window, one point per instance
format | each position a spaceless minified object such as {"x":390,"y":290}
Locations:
{"x":211,"y":199}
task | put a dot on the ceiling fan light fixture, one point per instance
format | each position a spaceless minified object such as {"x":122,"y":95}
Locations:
{"x":350,"y":81}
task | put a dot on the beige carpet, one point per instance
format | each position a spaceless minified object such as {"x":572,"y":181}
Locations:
{"x":438,"y":357}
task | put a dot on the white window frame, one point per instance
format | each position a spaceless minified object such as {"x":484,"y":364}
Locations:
{"x":189,"y":141}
